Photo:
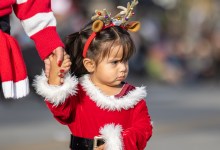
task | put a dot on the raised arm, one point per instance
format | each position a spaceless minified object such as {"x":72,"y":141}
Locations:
{"x":39,"y":23}
{"x":59,"y":96}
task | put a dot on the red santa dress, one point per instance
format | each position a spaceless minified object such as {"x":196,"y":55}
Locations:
{"x":123,"y":120}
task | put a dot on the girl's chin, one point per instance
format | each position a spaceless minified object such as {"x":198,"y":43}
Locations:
{"x":118,"y":84}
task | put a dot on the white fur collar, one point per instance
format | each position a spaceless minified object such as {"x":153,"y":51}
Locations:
{"x":110,"y":102}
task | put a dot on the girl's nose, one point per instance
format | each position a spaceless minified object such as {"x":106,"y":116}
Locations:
{"x":123,"y":66}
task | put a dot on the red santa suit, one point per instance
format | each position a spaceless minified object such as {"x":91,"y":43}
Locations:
{"x":39,"y":23}
{"x":122,"y":120}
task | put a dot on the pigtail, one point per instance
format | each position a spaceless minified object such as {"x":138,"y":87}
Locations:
{"x":74,"y":44}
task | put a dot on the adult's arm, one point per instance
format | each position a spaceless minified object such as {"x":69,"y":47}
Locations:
{"x":39,"y":24}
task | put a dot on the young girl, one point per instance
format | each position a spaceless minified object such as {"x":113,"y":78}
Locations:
{"x":97,"y":101}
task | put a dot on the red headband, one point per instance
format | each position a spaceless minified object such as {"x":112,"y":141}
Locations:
{"x":91,"y":37}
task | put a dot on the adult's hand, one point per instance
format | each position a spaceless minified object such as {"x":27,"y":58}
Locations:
{"x":59,"y":52}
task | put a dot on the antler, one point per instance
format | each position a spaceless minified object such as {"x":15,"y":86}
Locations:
{"x":102,"y":15}
{"x":120,"y":19}
{"x":126,"y":13}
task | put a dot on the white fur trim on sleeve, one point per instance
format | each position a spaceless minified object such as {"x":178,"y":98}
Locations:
{"x":55,"y":94}
{"x":112,"y":136}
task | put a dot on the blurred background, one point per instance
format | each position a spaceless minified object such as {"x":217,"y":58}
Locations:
{"x":177,"y":58}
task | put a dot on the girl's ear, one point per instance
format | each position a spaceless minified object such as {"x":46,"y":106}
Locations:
{"x":89,"y":64}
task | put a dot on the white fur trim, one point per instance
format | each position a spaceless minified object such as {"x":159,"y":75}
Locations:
{"x":55,"y":94}
{"x":110,"y":102}
{"x":112,"y":136}
{"x":16,"y":89}
{"x":38,"y":22}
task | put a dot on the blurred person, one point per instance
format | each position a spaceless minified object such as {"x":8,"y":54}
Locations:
{"x":155,"y":63}
{"x":200,"y":60}
{"x":39,"y":24}
{"x":216,"y":53}
{"x":137,"y":62}
{"x":97,"y":101}
{"x":175,"y":64}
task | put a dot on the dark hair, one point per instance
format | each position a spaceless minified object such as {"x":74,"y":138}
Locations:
{"x":99,"y":48}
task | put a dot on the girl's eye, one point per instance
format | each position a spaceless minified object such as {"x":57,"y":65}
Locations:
{"x":115,"y":62}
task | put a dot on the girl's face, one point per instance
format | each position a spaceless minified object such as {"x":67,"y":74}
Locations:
{"x":110,"y":71}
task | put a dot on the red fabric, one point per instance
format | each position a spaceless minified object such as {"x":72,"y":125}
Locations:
{"x":126,"y":88}
{"x":12,"y":68}
{"x":45,"y":43}
{"x":5,"y":7}
{"x":5,"y":11}
{"x":136,"y":136}
{"x":85,"y":119}
{"x":11,"y":60}
{"x":31,"y":7}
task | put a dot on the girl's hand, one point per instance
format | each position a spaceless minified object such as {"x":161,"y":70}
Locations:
{"x":56,"y":73}
{"x":59,"y":52}
{"x":101,"y":147}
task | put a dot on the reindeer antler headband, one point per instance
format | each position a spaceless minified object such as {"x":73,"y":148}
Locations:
{"x":103,"y":20}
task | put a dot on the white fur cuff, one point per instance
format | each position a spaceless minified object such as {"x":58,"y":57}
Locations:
{"x":55,"y":94}
{"x":112,"y":136}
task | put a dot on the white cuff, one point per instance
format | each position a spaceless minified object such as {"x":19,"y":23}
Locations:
{"x":55,"y":94}
{"x":112,"y":136}
{"x":16,"y":90}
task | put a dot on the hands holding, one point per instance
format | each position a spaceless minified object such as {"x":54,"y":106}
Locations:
{"x":56,"y":66}
{"x":59,"y":52}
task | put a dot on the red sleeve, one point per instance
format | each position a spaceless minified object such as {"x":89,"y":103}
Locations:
{"x":136,"y":137}
{"x":39,"y":23}
{"x":64,"y":112}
